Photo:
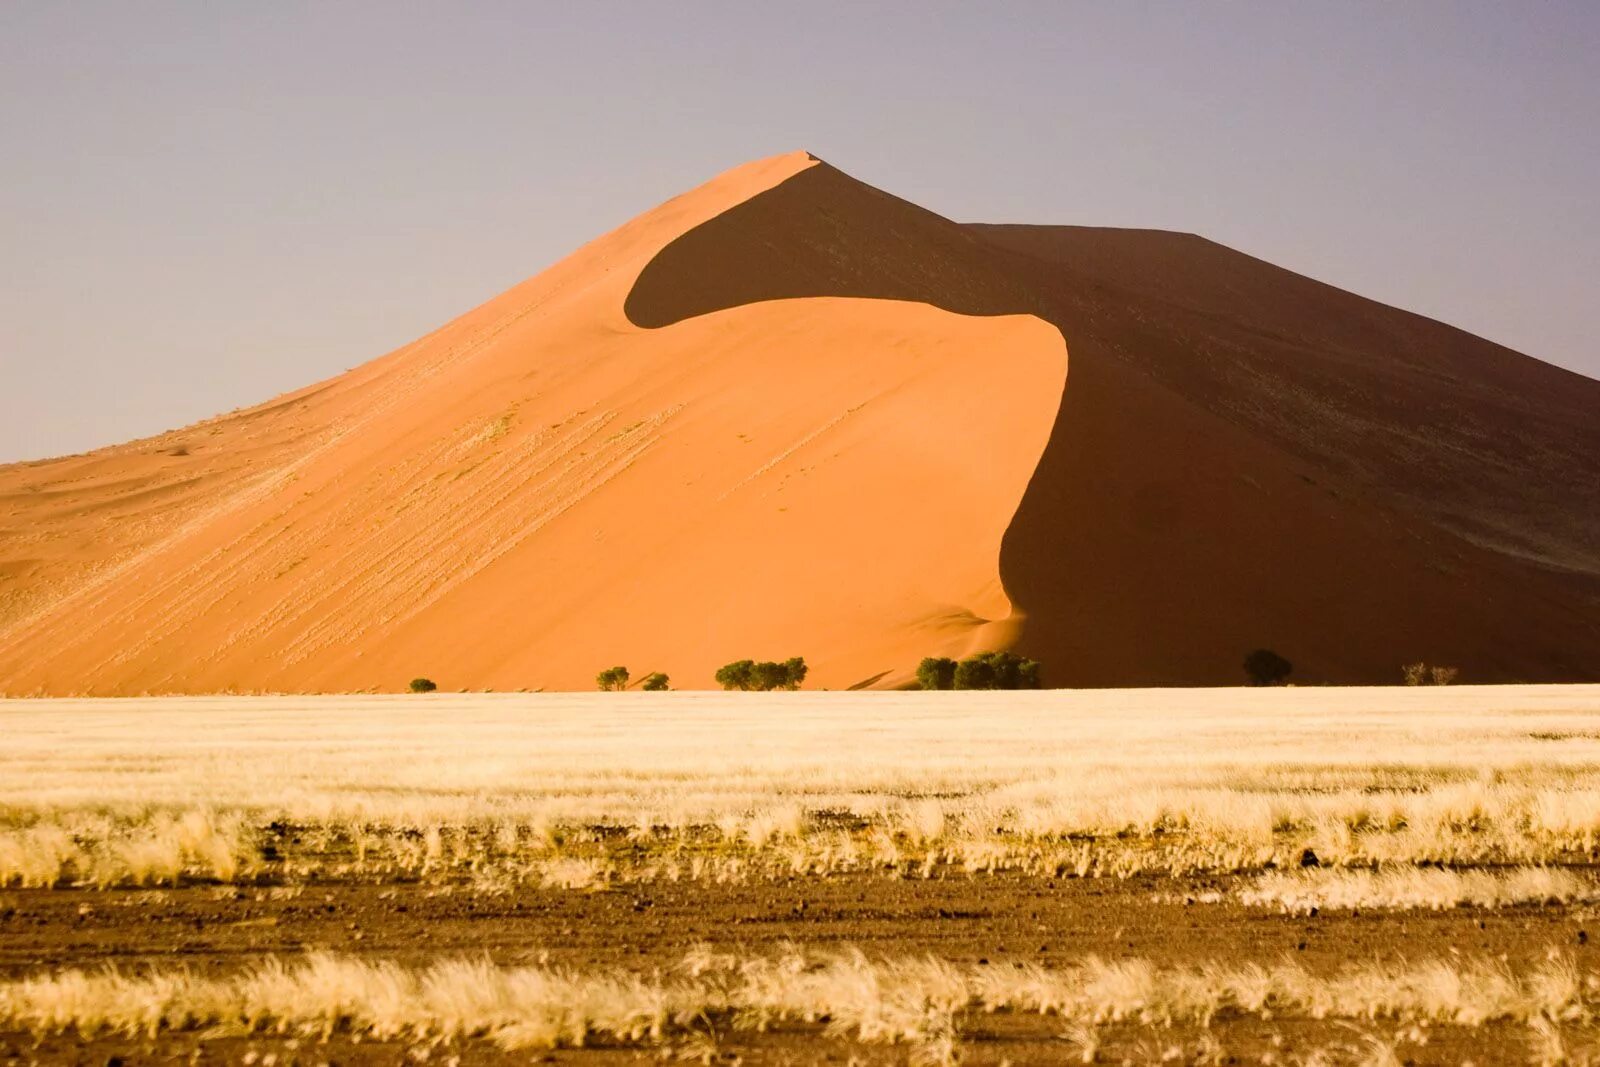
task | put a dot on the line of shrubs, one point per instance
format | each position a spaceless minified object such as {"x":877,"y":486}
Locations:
{"x":760,"y":676}
{"x":747,"y":675}
{"x":1266,"y":667}
{"x":744,"y":674}
{"x":985,"y":670}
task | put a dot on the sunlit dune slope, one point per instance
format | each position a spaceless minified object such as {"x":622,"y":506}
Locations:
{"x":541,"y":489}
{"x":789,"y":414}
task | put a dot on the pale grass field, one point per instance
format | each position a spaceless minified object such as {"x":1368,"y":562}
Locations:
{"x":502,"y":789}
{"x":1425,"y":798}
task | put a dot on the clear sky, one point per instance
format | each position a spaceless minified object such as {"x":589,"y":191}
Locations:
{"x":206,"y":204}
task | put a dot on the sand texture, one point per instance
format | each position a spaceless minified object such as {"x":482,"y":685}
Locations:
{"x":789,"y":414}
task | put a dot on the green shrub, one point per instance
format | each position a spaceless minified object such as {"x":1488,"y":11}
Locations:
{"x":996,"y":670}
{"x":736,"y":675}
{"x":795,"y":671}
{"x":975,"y":672}
{"x":767,"y":675}
{"x":937,"y":673}
{"x":612,"y":678}
{"x":749,"y":675}
{"x":654,"y":683}
{"x":1266,"y":667}
{"x":422,"y":685}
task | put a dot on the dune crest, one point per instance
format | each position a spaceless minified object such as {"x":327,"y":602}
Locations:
{"x":541,"y":489}
{"x":787,"y":414}
{"x":1244,"y":457}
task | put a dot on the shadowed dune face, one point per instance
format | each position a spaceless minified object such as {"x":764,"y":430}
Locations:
{"x":1243,"y":457}
{"x":1492,"y":445}
{"x":542,"y":489}
{"x":789,"y":414}
{"x":822,"y":233}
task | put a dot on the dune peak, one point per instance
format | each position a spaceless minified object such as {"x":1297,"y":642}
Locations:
{"x":786,"y":413}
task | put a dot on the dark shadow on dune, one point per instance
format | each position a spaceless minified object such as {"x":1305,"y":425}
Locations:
{"x":821,"y":233}
{"x":1243,"y":457}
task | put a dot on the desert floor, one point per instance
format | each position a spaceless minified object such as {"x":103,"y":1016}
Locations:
{"x":1245,"y":876}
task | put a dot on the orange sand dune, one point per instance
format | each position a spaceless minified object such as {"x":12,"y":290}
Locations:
{"x":541,"y":489}
{"x":1243,"y":457}
{"x":788,"y":414}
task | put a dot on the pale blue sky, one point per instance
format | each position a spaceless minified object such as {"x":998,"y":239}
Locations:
{"x":202,"y":205}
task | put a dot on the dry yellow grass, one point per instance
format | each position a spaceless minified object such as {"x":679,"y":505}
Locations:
{"x":1421,"y":888}
{"x":918,"y":1000}
{"x":730,"y":786}
{"x":577,"y":792}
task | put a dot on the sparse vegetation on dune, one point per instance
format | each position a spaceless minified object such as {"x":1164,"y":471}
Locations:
{"x":422,"y":685}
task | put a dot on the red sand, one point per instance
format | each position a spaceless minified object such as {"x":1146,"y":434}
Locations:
{"x":788,"y":414}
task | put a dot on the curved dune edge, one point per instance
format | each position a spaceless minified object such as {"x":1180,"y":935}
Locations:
{"x":673,"y":289}
{"x":757,"y":252}
{"x":541,"y":489}
{"x":1237,"y":463}
{"x":1245,"y":458}
{"x":819,"y":233}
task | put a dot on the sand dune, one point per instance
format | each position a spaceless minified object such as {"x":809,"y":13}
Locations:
{"x":789,"y":414}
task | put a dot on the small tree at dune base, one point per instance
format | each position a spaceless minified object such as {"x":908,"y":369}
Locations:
{"x":737,"y":675}
{"x":937,"y":672}
{"x":654,"y":683}
{"x":766,"y":675}
{"x":794,"y":672}
{"x":422,"y":685}
{"x":1266,"y":667}
{"x":1422,"y":674}
{"x":612,"y":679}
